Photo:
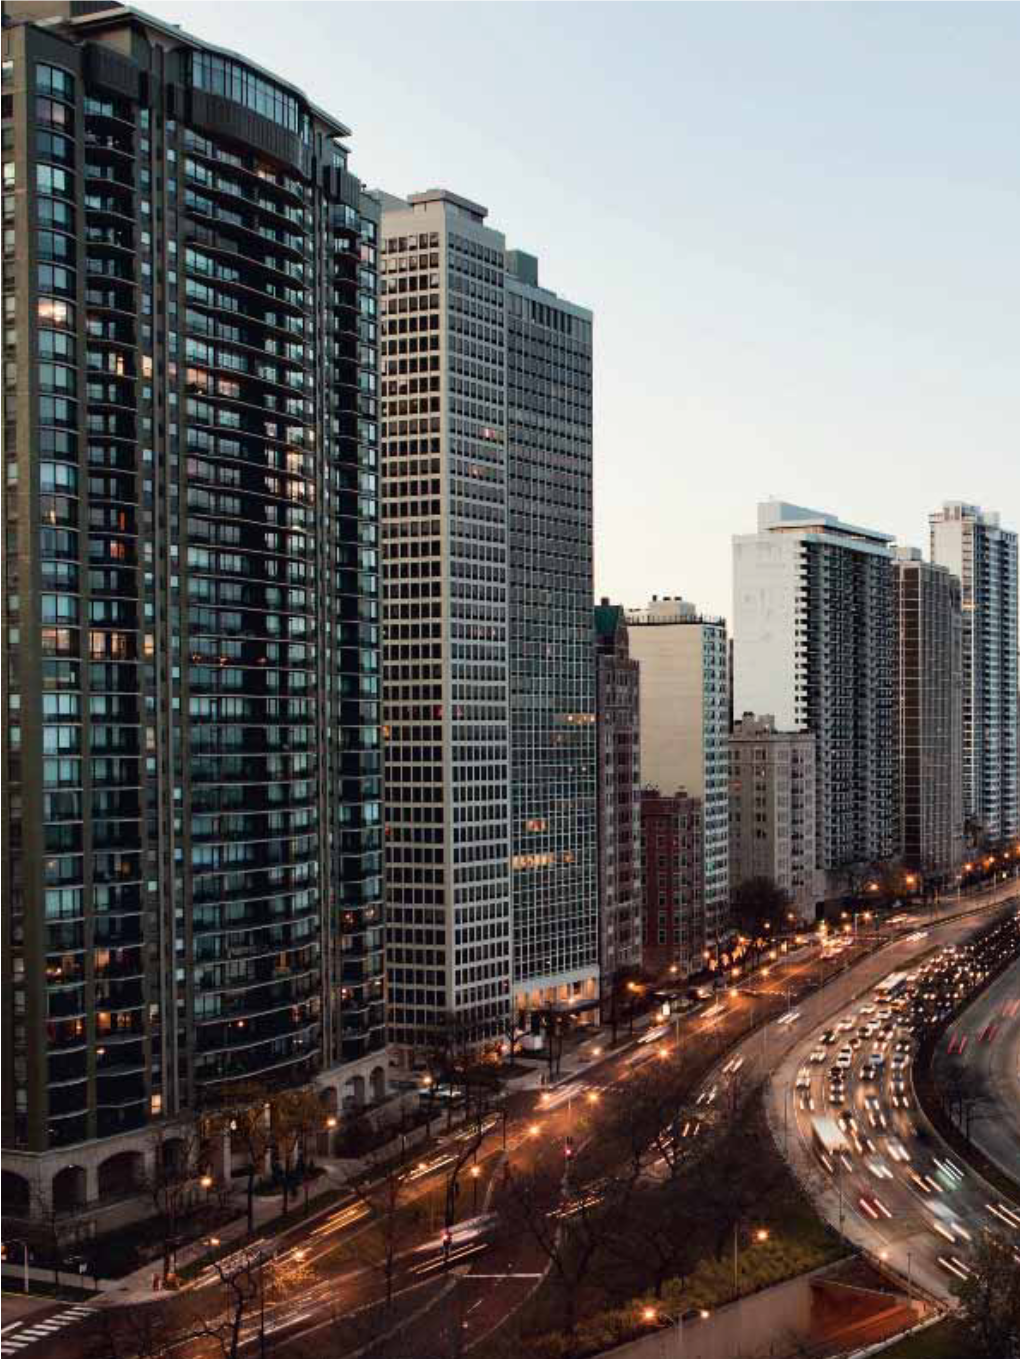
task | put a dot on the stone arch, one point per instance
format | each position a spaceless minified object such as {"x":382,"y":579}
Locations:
{"x":121,"y":1174}
{"x":377,"y":1081}
{"x":17,"y":1195}
{"x":354,"y":1093}
{"x":68,"y":1189}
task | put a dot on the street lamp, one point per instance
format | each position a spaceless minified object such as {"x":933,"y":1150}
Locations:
{"x":654,"y":1314}
{"x":760,"y":1235}
{"x":474,"y":1172}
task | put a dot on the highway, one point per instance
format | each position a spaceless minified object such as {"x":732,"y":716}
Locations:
{"x":329,"y":1267}
{"x":984,"y":1047}
{"x":894,"y":1191}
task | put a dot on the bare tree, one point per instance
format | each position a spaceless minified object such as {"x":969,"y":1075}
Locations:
{"x":56,"y":1228}
{"x":990,"y":1298}
{"x":571,"y":1232}
{"x":242,"y":1113}
{"x":386,"y":1195}
{"x":177,"y":1164}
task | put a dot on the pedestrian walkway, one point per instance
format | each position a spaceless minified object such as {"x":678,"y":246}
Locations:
{"x":20,"y":1335}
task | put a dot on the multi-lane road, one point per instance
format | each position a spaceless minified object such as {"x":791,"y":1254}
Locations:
{"x":324,"y":1265}
{"x":894,"y":1190}
{"x":984,"y":1048}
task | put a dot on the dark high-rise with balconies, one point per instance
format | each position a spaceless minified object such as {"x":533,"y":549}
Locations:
{"x":192,"y":882}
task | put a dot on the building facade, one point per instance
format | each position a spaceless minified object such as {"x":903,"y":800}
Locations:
{"x":446,"y":618}
{"x":192,"y":893}
{"x":488,"y":685}
{"x":929,"y":715}
{"x":684,"y":661}
{"x":672,"y":846}
{"x":618,"y":764}
{"x":554,"y":851}
{"x":815,"y":646}
{"x":974,"y":546}
{"x":772,"y":810}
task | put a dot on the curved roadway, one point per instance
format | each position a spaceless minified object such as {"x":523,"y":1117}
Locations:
{"x":928,"y":1207}
{"x":985,"y":1044}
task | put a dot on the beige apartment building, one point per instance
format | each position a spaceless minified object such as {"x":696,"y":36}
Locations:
{"x":772,"y":809}
{"x":684,"y":660}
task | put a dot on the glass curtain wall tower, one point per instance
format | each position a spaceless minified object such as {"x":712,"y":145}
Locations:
{"x":193,"y":892}
{"x":554,"y":860}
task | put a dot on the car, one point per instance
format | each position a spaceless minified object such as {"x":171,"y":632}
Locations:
{"x":873,"y":1206}
{"x":899,"y":1061}
{"x":845,"y":1060}
{"x":900,"y":1094}
{"x":828,"y":1037}
{"x":845,"y":1025}
{"x":803,"y":1079}
{"x":818,"y":1055}
{"x":873,"y":1109}
{"x":896,"y":1149}
{"x":867,"y":1072}
{"x":902,"y":1045}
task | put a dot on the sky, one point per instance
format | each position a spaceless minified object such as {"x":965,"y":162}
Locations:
{"x":797,"y":225}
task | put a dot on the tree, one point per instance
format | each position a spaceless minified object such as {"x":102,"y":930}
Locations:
{"x":245,"y":1113}
{"x":177,"y":1163}
{"x":57,"y":1229}
{"x":295,"y":1115}
{"x":643,"y":1120}
{"x":386,"y":1195}
{"x":965,"y":1096}
{"x":571,"y":1233}
{"x":758,"y":908}
{"x":990,"y":1298}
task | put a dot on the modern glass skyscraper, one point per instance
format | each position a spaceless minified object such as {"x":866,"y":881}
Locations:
{"x":929,"y":738}
{"x":193,"y":888}
{"x":554,"y":861}
{"x":983,"y":556}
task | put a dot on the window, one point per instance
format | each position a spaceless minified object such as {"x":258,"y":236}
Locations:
{"x":52,"y":80}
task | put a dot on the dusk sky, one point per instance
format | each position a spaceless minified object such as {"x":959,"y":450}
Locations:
{"x":798,"y":227}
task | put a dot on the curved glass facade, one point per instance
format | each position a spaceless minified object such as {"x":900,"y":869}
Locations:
{"x":192,"y":755}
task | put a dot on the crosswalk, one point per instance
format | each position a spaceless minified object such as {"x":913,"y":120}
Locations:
{"x":19,"y":1335}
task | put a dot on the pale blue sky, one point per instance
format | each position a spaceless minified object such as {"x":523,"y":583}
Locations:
{"x":798,"y":227}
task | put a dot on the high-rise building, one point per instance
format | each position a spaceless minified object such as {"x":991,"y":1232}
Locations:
{"x":192,"y":892}
{"x":684,"y":660}
{"x":554,"y":848}
{"x":929,"y":733}
{"x":983,"y":556}
{"x":618,"y":764}
{"x":772,"y":809}
{"x":488,"y":685}
{"x":672,"y":845}
{"x":814,"y":638}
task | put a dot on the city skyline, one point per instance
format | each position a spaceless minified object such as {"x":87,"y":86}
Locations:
{"x":810,"y":357}
{"x":362,"y":843}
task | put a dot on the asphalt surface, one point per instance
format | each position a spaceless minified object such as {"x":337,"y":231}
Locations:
{"x":986,"y":1042}
{"x":898,"y":1193}
{"x":329,"y":1267}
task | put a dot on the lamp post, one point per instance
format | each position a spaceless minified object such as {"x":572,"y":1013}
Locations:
{"x":652,"y":1314}
{"x":15,"y":1241}
{"x":760,"y":1234}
